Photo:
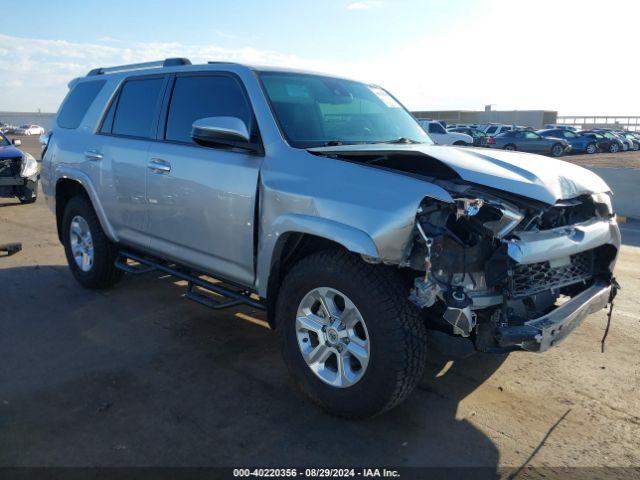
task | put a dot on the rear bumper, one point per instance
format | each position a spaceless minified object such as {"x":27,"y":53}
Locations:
{"x":542,"y":333}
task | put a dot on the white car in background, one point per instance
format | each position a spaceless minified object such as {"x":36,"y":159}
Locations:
{"x":29,"y":130}
{"x":442,"y":137}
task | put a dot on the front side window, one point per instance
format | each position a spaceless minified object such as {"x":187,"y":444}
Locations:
{"x":198,"y":97}
{"x":491,"y":129}
{"x":531,"y":135}
{"x":134,"y":114}
{"x":314,"y":110}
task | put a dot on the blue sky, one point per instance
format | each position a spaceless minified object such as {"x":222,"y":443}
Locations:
{"x":561,"y":55}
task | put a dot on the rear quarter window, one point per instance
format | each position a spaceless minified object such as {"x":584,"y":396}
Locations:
{"x":77,"y":103}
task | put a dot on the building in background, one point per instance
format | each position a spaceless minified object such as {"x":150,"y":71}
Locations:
{"x":591,"y":121}
{"x":526,"y":118}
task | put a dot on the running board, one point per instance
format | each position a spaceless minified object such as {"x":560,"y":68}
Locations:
{"x":233,"y":298}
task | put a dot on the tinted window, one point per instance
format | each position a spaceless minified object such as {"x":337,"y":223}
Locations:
{"x":436,"y":128}
{"x":77,"y":103}
{"x":492,"y":129}
{"x":531,"y":135}
{"x":199,"y":97}
{"x":107,"y":123}
{"x":136,"y":107}
{"x":569,"y":134}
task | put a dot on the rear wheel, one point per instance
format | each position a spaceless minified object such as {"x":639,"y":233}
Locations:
{"x":557,"y":150}
{"x":90,"y":254}
{"x":591,"y":148}
{"x":351,"y":340}
{"x":510,"y":147}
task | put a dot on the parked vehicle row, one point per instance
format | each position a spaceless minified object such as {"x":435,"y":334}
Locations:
{"x":27,"y":129}
{"x":555,"y":140}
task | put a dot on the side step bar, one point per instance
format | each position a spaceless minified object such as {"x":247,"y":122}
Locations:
{"x":233,"y":297}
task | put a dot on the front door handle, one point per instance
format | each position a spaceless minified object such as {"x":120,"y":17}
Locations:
{"x":158,"y":165}
{"x":93,"y":155}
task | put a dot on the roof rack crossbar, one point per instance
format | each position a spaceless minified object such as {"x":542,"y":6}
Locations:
{"x":168,"y":62}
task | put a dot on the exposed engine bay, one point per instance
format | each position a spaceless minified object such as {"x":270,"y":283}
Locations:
{"x":488,"y":263}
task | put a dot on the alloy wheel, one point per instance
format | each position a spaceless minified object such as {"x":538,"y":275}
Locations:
{"x":81,"y":243}
{"x":332,"y":337}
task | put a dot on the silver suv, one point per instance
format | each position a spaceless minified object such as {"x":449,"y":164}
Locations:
{"x":322,"y":201}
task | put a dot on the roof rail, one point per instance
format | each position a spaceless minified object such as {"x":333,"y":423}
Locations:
{"x":167,"y":62}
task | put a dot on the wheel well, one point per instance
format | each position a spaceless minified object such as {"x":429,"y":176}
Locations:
{"x":66,"y":189}
{"x":290,"y":248}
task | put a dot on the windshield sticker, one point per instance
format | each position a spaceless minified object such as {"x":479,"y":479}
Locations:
{"x":387,"y":99}
{"x":299,"y":91}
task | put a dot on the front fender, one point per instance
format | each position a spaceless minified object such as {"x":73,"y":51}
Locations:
{"x":349,"y":237}
{"x":66,"y":171}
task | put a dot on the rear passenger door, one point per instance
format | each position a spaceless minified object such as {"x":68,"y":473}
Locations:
{"x":202,"y":200}
{"x":128,"y":127}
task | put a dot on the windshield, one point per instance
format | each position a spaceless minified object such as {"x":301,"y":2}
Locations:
{"x":314,"y":111}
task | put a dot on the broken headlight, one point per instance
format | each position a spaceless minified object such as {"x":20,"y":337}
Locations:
{"x":29,"y":166}
{"x":496,"y":215}
{"x":603,"y":204}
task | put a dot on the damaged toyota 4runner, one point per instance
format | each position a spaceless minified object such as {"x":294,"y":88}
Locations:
{"x":322,"y":201}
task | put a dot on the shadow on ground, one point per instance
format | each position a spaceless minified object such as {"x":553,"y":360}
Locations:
{"x":140,"y":376}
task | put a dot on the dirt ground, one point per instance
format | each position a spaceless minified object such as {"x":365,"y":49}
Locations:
{"x":139,"y":375}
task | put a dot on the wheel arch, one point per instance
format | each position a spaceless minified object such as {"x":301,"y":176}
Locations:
{"x":74,"y":183}
{"x":298,"y":236}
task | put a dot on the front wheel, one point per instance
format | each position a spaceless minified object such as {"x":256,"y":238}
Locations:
{"x":557,"y":150}
{"x":90,"y":254}
{"x":350,"y":338}
{"x":511,"y":147}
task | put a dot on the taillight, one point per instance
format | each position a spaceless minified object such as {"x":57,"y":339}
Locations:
{"x":491,"y":141}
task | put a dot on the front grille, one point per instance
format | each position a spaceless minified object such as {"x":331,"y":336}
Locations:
{"x":539,"y":277}
{"x":10,"y":167}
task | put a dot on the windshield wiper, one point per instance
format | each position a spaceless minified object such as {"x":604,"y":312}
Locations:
{"x":399,"y":141}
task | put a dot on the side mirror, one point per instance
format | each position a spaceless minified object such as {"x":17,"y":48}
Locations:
{"x":216,"y":131}
{"x":17,"y":142}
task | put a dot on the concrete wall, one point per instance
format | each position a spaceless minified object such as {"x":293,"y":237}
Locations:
{"x":625,"y":184}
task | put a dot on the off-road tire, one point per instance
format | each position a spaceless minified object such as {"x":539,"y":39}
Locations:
{"x":396,"y":333}
{"x":103,"y":272}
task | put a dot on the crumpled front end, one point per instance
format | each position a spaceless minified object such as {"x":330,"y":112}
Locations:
{"x":511,"y":273}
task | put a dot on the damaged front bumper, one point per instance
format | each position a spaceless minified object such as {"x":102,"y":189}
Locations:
{"x":544,"y":332}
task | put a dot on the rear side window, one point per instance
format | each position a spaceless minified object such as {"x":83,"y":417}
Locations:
{"x":199,"y":97}
{"x":136,"y":107}
{"x":77,"y":103}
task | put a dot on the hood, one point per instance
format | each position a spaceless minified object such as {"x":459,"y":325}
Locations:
{"x":9,"y":152}
{"x":534,"y":176}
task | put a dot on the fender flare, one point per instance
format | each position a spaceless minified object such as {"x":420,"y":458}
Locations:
{"x":351,"y":238}
{"x":65,"y":172}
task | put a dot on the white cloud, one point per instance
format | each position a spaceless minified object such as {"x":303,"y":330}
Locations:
{"x":364,"y":5}
{"x":495,"y":57}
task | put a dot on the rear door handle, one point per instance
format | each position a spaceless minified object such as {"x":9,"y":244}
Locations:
{"x":93,"y":155}
{"x":158,"y":165}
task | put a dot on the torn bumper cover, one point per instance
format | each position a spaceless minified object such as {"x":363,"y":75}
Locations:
{"x":544,"y":332}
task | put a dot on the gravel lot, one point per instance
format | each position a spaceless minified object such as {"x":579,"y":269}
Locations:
{"x":138,"y":375}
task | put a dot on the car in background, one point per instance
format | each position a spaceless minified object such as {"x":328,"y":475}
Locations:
{"x":494,"y":129}
{"x":19,"y":172}
{"x":559,"y":126}
{"x":531,"y":142}
{"x":7,"y":128}
{"x":29,"y":130}
{"x":625,"y":143}
{"x":442,"y":137}
{"x":578,"y":142}
{"x":479,"y":138}
{"x":606,"y":143}
{"x":633,"y":138}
